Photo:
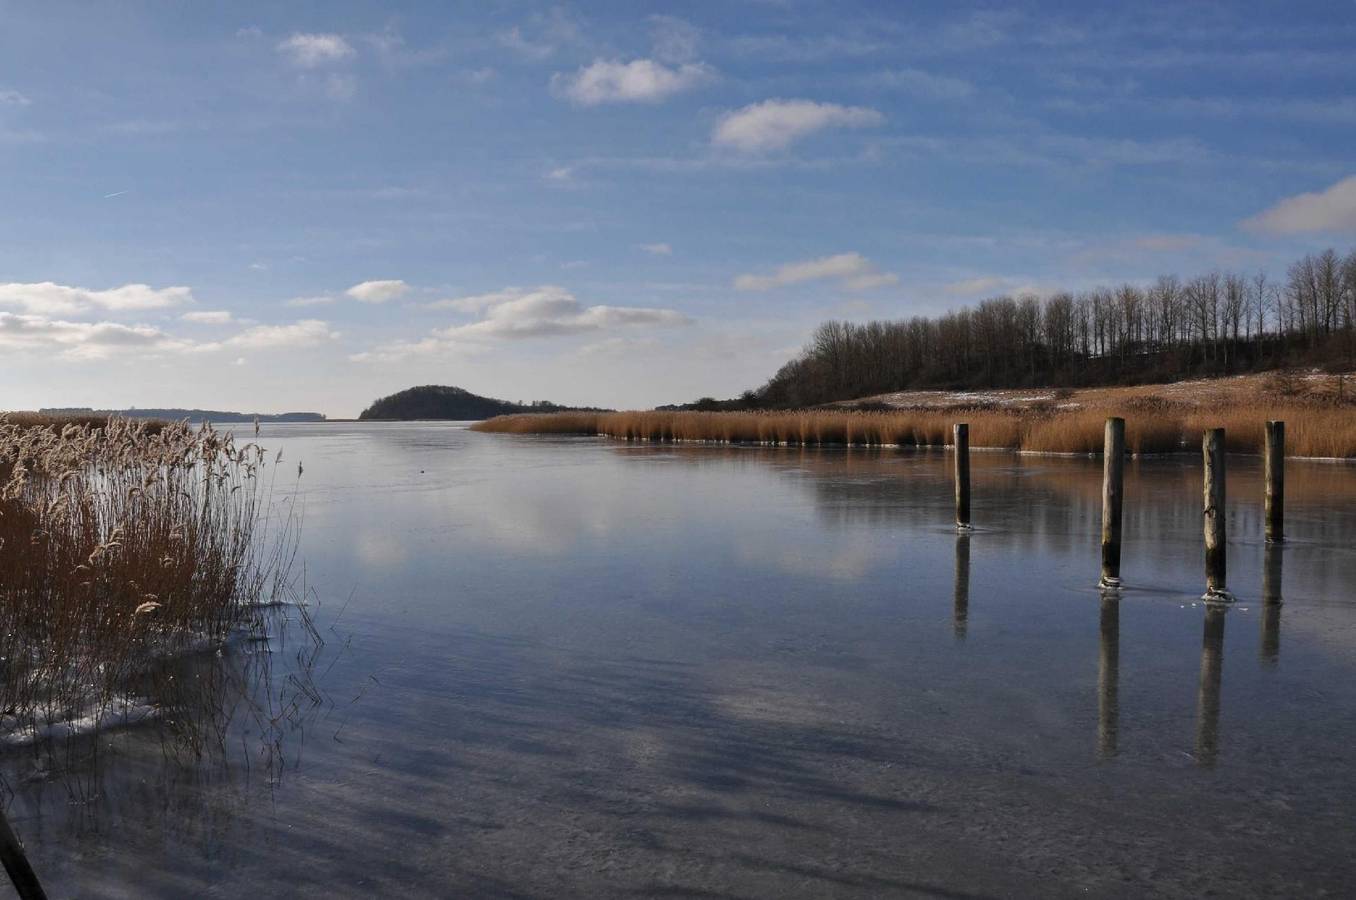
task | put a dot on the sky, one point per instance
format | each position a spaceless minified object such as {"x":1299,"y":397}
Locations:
{"x":306,"y":206}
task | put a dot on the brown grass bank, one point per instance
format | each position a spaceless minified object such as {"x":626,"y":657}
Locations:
{"x":1312,"y":430}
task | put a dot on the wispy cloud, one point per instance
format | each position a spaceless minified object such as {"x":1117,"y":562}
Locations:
{"x":970,"y":287}
{"x":1332,"y":209}
{"x":79,"y":340}
{"x":776,"y":124}
{"x":11,"y":97}
{"x":660,"y":249}
{"x":1166,"y":243}
{"x":852,"y":270}
{"x":542,"y":35}
{"x":926,"y":85}
{"x":519,"y":314}
{"x":24,"y":333}
{"x":208,"y":317}
{"x":474,"y":303}
{"x":378,"y":291}
{"x":311,"y":50}
{"x":49,"y":298}
{"x":321,"y":300}
{"x":305,"y":333}
{"x":637,"y":81}
{"x":675,"y":40}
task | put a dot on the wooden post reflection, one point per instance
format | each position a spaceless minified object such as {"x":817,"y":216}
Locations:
{"x":1271,"y":604}
{"x":1207,"y":700}
{"x":1108,"y":676}
{"x":962,"y":607}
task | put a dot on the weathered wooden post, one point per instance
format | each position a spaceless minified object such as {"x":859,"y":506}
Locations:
{"x":1275,"y":475}
{"x":16,"y":864}
{"x":1271,"y":604}
{"x":961,"y":611}
{"x":1215,"y":557}
{"x":1207,"y":699}
{"x":1113,"y":471}
{"x":1108,"y":676}
{"x":961,"y":433}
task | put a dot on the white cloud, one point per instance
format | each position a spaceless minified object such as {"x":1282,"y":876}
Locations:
{"x":49,"y":298}
{"x":660,"y":249}
{"x":309,"y":301}
{"x":78,"y":340}
{"x":516,"y":314}
{"x":852,"y":270}
{"x":38,"y":333}
{"x":638,"y":81}
{"x":775,"y":124}
{"x":306,"y":333}
{"x":923,"y":84}
{"x":208,"y":317}
{"x":378,"y":291}
{"x":1332,"y":209}
{"x":10,"y":97}
{"x":311,"y":50}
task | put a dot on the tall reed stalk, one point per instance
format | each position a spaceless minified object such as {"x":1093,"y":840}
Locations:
{"x":122,"y":543}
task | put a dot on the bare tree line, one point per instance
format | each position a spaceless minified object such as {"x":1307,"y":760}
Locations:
{"x":1216,"y":323}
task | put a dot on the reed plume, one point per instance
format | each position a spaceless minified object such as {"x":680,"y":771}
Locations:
{"x":122,"y":543}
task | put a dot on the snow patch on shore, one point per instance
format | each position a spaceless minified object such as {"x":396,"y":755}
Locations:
{"x":121,"y":712}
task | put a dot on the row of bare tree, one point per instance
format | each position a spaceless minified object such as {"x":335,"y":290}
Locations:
{"x":1211,"y":324}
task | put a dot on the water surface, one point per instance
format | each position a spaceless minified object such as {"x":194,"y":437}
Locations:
{"x":572,"y":667}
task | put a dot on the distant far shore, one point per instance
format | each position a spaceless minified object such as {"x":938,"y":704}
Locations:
{"x":176,"y":414}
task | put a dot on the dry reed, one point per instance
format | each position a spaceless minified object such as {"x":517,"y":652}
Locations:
{"x":123,"y":543}
{"x":1312,"y":430}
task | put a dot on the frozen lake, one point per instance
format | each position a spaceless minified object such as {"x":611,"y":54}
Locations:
{"x":573,"y":667}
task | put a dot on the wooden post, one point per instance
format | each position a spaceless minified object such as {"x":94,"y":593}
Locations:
{"x":1207,"y":698}
{"x":961,"y":611}
{"x":1275,"y":475}
{"x":1215,"y":557}
{"x":1271,"y":604}
{"x":1113,"y":471}
{"x":962,"y":441}
{"x":16,"y":864}
{"x":1108,"y":676}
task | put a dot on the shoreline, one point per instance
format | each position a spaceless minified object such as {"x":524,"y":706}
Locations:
{"x":1059,"y":454}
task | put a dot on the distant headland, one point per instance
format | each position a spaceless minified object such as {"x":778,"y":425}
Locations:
{"x":174,"y":414}
{"x":436,"y":401}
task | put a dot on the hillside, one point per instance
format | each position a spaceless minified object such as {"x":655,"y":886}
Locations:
{"x":435,"y":401}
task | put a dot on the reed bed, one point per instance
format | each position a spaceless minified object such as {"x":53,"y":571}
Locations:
{"x":1312,"y":430}
{"x":121,"y":544}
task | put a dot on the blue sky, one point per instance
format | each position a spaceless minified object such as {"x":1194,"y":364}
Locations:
{"x":305,"y":206}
